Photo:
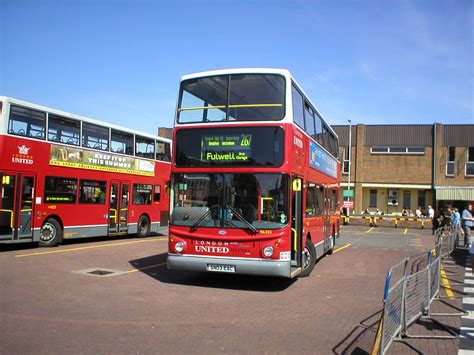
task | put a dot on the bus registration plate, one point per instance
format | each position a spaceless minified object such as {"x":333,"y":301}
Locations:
{"x":220,"y":268}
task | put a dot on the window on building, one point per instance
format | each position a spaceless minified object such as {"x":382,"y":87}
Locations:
{"x":373,"y":199}
{"x":92,"y":191}
{"x":60,"y":190}
{"x":27,"y":122}
{"x":345,"y":160}
{"x":298,"y":116}
{"x":422,"y":199}
{"x":397,"y":150}
{"x":64,"y":130}
{"x":470,"y":161}
{"x":451,"y":161}
{"x":142,"y":194}
{"x":407,"y":199}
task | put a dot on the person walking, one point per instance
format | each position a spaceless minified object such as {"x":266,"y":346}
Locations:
{"x":467,"y":222}
{"x":457,"y":225}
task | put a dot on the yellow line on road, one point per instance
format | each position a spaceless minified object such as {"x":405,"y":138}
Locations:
{"x":405,"y":231}
{"x":90,"y":247}
{"x":343,"y":247}
{"x":144,"y":268}
{"x":446,"y":284}
{"x":370,"y":230}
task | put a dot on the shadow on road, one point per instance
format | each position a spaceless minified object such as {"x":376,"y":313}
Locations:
{"x":361,"y":339}
{"x":78,"y":241}
{"x":155,"y":267}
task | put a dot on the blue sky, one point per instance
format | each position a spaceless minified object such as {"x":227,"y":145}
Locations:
{"x":375,"y":62}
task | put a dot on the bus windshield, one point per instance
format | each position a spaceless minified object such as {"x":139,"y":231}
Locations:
{"x":238,"y":97}
{"x":231,"y":201}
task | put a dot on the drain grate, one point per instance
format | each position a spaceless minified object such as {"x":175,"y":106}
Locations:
{"x":100,"y":272}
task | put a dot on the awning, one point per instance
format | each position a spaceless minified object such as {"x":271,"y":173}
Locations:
{"x":455,"y":193}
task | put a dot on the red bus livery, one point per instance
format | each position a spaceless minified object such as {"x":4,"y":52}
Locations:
{"x":255,"y":176}
{"x":64,"y":176}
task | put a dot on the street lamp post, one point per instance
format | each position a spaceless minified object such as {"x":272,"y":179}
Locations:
{"x":349,"y":176}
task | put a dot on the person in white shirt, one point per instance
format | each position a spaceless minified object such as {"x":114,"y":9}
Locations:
{"x":418,"y":212}
{"x":430,"y":212}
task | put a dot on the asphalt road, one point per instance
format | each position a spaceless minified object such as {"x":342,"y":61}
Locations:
{"x":51,"y":303}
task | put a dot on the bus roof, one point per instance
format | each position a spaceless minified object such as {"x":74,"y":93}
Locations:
{"x":284,"y":72}
{"x":14,"y":101}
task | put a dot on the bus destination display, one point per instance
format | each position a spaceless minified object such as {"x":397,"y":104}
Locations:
{"x":226,"y":148}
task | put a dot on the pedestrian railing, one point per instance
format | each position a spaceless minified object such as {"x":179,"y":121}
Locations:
{"x":387,"y":220}
{"x":411,"y":287}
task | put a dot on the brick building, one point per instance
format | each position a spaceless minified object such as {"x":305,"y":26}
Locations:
{"x":406,"y":166}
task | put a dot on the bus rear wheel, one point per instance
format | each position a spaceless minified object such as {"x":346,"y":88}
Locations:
{"x":143,"y":227}
{"x":308,"y":258}
{"x":51,"y":234}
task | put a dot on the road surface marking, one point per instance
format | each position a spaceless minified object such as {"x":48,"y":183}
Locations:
{"x":446,"y":284}
{"x":144,"y":268}
{"x":90,"y":247}
{"x":343,"y":247}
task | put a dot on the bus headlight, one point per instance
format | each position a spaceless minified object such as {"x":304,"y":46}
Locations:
{"x":268,"y":251}
{"x":179,"y":247}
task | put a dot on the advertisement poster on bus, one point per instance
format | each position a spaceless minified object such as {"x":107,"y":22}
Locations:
{"x":101,"y":161}
{"x":322,"y":161}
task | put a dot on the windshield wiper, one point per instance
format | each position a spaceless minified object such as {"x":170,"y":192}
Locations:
{"x":201,"y":219}
{"x":240,"y":217}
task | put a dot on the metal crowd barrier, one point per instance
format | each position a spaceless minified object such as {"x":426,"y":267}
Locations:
{"x":373,"y":219}
{"x":411,"y":287}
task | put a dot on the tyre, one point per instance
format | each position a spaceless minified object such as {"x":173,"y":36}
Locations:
{"x":308,"y":258}
{"x":144,"y":227}
{"x":51,"y":234}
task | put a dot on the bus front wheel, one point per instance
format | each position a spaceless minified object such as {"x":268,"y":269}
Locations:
{"x":143,"y":227}
{"x":51,"y":233}
{"x":308,"y":258}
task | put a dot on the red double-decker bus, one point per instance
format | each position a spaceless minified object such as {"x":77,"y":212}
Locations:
{"x":255,"y":176}
{"x":64,"y":176}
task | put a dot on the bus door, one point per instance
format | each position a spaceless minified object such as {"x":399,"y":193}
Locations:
{"x":17,"y":193}
{"x":119,"y":200}
{"x":327,"y":219}
{"x":296,"y":221}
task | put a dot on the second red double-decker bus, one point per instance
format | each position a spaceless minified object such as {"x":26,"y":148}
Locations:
{"x":63,"y":176}
{"x":255,"y":176}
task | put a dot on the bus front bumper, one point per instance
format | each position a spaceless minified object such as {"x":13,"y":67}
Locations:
{"x":241,"y":266}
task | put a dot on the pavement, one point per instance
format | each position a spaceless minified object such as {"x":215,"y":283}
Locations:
{"x":115,"y":295}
